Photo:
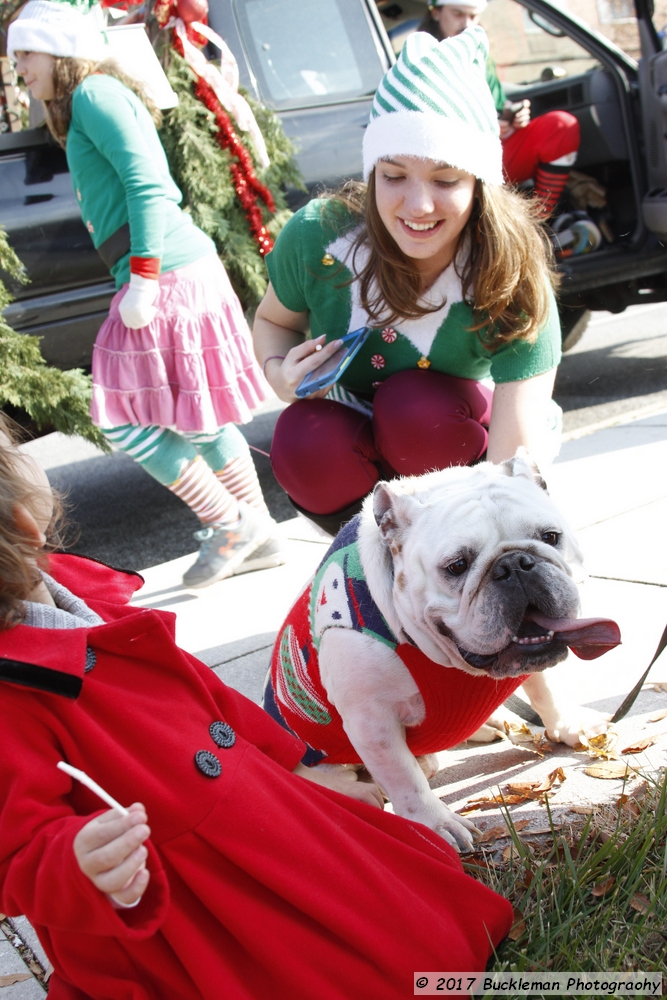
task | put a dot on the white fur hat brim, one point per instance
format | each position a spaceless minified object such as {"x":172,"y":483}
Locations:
{"x":477,"y":5}
{"x":57,"y":29}
{"x":430,"y":136}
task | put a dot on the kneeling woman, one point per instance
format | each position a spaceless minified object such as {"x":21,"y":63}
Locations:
{"x":450,"y":270}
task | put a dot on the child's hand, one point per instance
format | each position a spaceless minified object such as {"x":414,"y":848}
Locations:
{"x":343,"y":781}
{"x":110,"y":851}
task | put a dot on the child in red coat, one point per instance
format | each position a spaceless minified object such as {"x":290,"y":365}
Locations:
{"x":251,"y":880}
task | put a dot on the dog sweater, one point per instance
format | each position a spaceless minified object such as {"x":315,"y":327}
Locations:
{"x":457,"y":703}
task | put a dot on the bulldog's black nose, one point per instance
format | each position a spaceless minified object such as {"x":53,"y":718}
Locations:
{"x":513,"y":564}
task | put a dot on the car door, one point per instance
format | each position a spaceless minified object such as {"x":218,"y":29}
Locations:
{"x":653,"y":97}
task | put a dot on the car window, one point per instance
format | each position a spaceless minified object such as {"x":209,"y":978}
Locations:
{"x":309,"y":52}
{"x":530,"y":50}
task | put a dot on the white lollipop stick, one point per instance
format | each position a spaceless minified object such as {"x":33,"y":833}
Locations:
{"x":81,"y":776}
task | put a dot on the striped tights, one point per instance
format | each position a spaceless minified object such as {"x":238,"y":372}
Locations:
{"x":209,"y":472}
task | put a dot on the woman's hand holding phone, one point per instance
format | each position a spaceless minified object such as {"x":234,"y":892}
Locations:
{"x":284,"y":376}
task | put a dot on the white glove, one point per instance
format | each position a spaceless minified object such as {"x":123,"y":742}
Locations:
{"x":136,"y":307}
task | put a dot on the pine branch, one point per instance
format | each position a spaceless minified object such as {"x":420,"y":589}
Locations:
{"x":50,"y":397}
{"x":201,"y":170}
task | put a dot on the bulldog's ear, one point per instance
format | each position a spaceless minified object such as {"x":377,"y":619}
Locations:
{"x":526,"y":467}
{"x":392,"y":512}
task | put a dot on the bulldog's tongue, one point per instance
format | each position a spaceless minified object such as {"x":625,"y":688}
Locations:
{"x":588,"y":638}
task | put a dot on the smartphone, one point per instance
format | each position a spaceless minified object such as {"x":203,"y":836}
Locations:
{"x":332,"y":369}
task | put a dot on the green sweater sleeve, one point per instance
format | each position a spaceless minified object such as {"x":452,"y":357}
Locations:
{"x":286,"y":265}
{"x":519,"y":360}
{"x":495,"y":86}
{"x":112,"y":120}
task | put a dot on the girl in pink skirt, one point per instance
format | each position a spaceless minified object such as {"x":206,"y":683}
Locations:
{"x":173,"y":367}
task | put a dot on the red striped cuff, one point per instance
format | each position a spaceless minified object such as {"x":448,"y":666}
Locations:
{"x":146,"y":267}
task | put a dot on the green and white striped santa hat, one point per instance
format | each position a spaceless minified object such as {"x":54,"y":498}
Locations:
{"x":66,"y":28}
{"x":434,"y":103}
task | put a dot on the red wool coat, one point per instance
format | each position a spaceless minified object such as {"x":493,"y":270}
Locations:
{"x":262,"y":884}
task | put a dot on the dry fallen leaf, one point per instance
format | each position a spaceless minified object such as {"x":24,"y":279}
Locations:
{"x":537,"y":789}
{"x":640,"y":903}
{"x":582,"y":810}
{"x":521,"y":824}
{"x":517,"y":792}
{"x":609,"y":769}
{"x":604,"y":745}
{"x":602,"y":888}
{"x":490,"y":802}
{"x":521,"y":735}
{"x":491,"y":835}
{"x":479,"y":861}
{"x":14,"y":977}
{"x":510,"y":852}
{"x":630,"y":806}
{"x":640,"y":745}
{"x":658,"y":716}
{"x":518,"y":929}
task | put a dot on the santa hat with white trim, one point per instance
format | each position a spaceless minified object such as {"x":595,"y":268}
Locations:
{"x":477,"y":6}
{"x":434,"y":103}
{"x":74,"y":29}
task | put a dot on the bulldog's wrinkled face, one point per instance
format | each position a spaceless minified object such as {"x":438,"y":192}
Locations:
{"x":482,"y":562}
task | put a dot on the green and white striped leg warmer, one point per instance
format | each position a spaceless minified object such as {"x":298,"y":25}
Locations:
{"x":228,"y":455}
{"x":174,"y":462}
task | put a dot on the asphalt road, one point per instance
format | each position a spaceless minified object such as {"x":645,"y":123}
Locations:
{"x":124,"y":517}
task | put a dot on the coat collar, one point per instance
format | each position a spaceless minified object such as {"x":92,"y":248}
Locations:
{"x":55,"y":660}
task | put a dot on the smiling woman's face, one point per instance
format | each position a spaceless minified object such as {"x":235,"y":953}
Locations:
{"x":424,"y":206}
{"x":36,"y":68}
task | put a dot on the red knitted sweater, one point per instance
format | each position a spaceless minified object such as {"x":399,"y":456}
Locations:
{"x":456,"y":703}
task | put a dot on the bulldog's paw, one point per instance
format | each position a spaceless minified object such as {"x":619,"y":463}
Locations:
{"x":455,"y":829}
{"x":571,"y":724}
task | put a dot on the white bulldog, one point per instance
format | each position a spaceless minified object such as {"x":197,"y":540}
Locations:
{"x":472,"y":570}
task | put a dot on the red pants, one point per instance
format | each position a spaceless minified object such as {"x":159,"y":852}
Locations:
{"x":544,"y":140}
{"x":326,"y":455}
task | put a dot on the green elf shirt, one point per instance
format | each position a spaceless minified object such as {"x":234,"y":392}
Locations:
{"x":311,"y":271}
{"x":120,"y":174}
{"x":495,"y":86}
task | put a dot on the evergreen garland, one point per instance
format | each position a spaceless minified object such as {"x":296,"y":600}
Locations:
{"x":200,"y":169}
{"x":51,"y":398}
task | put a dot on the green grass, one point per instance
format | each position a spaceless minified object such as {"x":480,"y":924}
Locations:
{"x":566,"y":926}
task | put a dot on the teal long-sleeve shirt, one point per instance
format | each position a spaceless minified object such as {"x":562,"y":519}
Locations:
{"x":120,"y":175}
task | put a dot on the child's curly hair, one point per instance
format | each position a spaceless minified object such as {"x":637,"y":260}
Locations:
{"x":19,"y":573}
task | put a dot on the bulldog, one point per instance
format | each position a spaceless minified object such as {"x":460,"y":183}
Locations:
{"x":445,"y":594}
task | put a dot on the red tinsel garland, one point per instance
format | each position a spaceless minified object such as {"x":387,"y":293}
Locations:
{"x":246,"y":184}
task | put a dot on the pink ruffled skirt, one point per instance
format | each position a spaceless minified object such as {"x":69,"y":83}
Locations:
{"x":191,"y":369}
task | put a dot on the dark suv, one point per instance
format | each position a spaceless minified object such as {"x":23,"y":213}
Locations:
{"x":318,"y":62}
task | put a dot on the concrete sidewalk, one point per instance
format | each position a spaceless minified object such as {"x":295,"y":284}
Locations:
{"x":612,"y":486}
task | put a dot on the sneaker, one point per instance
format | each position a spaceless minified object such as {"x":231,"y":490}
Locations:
{"x":266,"y":556}
{"x":225,"y":546}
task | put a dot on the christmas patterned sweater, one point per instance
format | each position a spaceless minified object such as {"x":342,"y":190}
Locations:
{"x":311,"y":270}
{"x":457,"y":703}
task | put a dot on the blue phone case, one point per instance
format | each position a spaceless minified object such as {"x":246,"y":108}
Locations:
{"x":352,"y":342}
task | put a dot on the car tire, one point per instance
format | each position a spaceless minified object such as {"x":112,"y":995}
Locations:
{"x":573,"y":323}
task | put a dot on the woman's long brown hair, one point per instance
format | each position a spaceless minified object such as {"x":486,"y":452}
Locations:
{"x":506,"y":276}
{"x":67,"y":75}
